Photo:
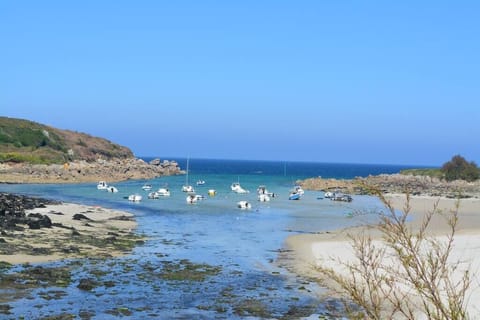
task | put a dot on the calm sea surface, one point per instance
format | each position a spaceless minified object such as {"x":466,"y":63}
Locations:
{"x":243,"y":244}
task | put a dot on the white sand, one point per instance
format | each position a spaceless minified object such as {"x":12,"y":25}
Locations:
{"x":311,"y":250}
{"x":55,"y":239}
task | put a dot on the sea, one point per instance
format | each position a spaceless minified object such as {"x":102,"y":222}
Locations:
{"x":243,"y":246}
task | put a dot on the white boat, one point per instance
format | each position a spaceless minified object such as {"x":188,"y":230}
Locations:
{"x":329,"y":194}
{"x":262,"y":190}
{"x":153,"y":195}
{"x":135,"y":198}
{"x":194,"y":198}
{"x":294,"y":195}
{"x":244,"y":205}
{"x":263,"y":197}
{"x":299,"y":190}
{"x":102,"y":185}
{"x":187,"y":188}
{"x":147,"y":187}
{"x":236,"y":187}
{"x":163,"y":192}
{"x":200,"y":182}
{"x":112,"y":189}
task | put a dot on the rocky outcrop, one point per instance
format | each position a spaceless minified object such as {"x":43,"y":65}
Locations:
{"x":397,"y":183}
{"x":12,"y":212}
{"x":83,"y":171}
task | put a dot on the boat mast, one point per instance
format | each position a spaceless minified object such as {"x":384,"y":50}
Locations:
{"x":186,"y":178}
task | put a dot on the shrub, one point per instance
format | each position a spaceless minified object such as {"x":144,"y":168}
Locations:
{"x":410,"y":273}
{"x":459,"y":168}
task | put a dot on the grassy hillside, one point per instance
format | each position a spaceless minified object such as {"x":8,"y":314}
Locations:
{"x":27,"y":141}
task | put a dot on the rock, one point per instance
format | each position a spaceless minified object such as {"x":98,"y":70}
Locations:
{"x":87,"y":284}
{"x":155,"y":162}
{"x":82,"y":171}
{"x":37,"y":221}
{"x":79,"y":216}
{"x":12,"y":211}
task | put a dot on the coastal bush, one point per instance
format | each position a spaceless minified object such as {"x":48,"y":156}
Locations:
{"x":408,"y":275}
{"x":459,"y":168}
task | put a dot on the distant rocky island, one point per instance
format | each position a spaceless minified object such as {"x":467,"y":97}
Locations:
{"x":397,"y":184}
{"x":35,"y":153}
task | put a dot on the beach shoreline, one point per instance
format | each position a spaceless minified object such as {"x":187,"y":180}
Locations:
{"x":77,"y":231}
{"x":303,"y":253}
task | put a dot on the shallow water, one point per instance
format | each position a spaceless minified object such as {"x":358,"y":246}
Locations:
{"x":243,"y":244}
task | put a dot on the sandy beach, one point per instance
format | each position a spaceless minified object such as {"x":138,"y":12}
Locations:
{"x":100,"y":232}
{"x":305,"y":252}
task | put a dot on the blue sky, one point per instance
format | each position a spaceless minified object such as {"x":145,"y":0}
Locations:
{"x":329,"y":81}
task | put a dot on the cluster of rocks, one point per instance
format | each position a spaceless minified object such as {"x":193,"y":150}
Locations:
{"x":398,"y":183}
{"x":83,"y":171}
{"x":13,"y":216}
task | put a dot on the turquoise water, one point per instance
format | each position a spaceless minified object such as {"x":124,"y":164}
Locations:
{"x":244,"y":243}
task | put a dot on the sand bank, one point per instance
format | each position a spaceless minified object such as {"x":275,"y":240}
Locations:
{"x":306,"y":251}
{"x":101,"y":232}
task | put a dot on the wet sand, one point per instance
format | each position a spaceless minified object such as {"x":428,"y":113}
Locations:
{"x":106,"y":233}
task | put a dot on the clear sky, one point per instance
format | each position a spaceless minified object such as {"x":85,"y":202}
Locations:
{"x":329,"y":81}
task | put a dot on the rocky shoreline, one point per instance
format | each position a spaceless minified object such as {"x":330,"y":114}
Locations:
{"x":83,"y":171}
{"x":397,"y":183}
{"x":35,"y":230}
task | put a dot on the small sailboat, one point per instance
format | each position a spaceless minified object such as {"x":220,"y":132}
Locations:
{"x":296,"y":193}
{"x":187,"y":188}
{"x":236,"y":187}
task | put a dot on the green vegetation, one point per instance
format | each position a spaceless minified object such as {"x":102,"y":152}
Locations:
{"x":26,"y":141}
{"x":23,"y":141}
{"x":459,"y":168}
{"x":430,"y":172}
{"x":456,"y":169}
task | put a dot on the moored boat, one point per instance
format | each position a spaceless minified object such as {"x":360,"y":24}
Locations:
{"x":112,"y":189}
{"x":187,"y":187}
{"x":244,"y":205}
{"x":147,"y":187}
{"x":263,"y":197}
{"x":102,"y":185}
{"x":194,"y":198}
{"x":236,"y":187}
{"x":262,"y":190}
{"x":135,"y":198}
{"x":294,"y":195}
{"x":163,"y":192}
